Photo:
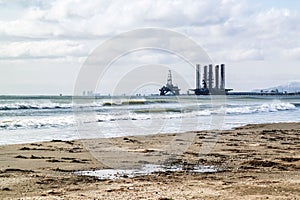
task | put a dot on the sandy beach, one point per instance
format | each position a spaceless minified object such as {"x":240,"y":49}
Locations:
{"x":257,"y":162}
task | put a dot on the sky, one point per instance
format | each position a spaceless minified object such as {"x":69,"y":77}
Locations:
{"x":44,"y":44}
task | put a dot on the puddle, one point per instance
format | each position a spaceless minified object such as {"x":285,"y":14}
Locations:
{"x":113,"y":174}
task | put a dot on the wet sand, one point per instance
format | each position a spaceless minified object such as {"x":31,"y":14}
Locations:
{"x":257,"y":162}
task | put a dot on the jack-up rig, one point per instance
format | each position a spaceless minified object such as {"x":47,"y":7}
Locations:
{"x":213,"y":82}
{"x":169,"y":88}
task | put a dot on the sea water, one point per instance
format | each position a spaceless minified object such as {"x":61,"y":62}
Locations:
{"x":26,"y":119}
{"x":147,"y":169}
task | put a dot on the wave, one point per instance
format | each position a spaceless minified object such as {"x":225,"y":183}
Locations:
{"x":132,"y":102}
{"x":266,"y":107}
{"x":169,"y":113}
{"x":34,"y":107}
{"x":56,"y":106}
{"x":230,"y":109}
{"x":160,"y":110}
{"x":125,"y":102}
{"x":110,"y":115}
{"x":296,"y":104}
{"x":36,"y":123}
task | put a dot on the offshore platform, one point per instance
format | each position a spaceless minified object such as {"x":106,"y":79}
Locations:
{"x":169,"y":88}
{"x":213,"y":81}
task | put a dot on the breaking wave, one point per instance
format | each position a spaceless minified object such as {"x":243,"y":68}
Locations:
{"x":169,"y":113}
{"x":141,"y":112}
{"x":125,"y":102}
{"x":33,"y":123}
{"x":52,"y":106}
{"x":267,"y":107}
{"x":34,"y":107}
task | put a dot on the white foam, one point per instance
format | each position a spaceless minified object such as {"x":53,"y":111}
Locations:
{"x":266,"y":107}
{"x":36,"y":122}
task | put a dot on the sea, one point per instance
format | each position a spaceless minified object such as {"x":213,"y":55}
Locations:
{"x":26,"y":119}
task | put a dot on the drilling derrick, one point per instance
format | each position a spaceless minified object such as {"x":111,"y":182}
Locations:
{"x":169,"y":80}
{"x":169,"y":88}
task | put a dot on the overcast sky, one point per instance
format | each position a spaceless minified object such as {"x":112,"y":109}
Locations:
{"x":44,"y":43}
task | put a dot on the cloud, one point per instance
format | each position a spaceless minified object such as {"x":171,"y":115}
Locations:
{"x":243,"y":54}
{"x":293,"y":53}
{"x":41,"y":49}
{"x":52,"y":38}
{"x":86,"y":17}
{"x":54,"y":28}
{"x":275,"y":23}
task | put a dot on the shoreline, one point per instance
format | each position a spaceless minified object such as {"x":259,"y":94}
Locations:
{"x":259,"y":161}
{"x":76,"y":136}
